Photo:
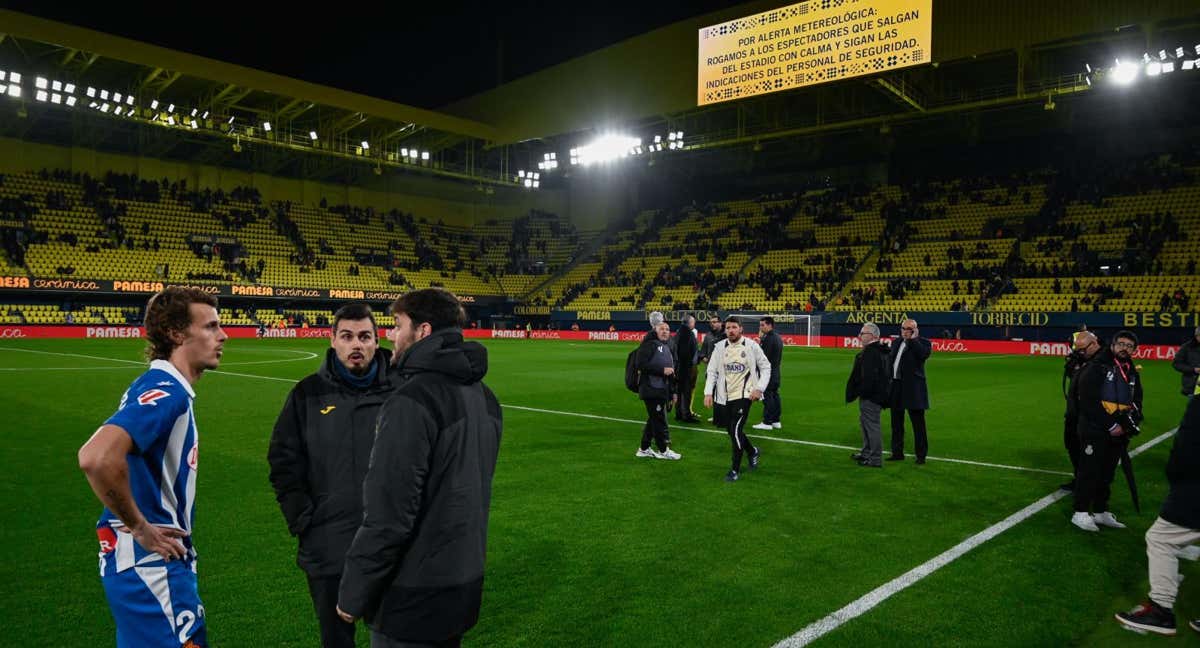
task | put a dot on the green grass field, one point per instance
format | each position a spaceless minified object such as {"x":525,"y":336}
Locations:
{"x":590,"y":546}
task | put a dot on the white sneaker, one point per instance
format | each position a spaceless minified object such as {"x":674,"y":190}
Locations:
{"x":669,"y":454}
{"x":1084,"y":521}
{"x":1107,"y":519}
{"x":763,"y":426}
{"x":648,"y":452}
{"x":777,"y":426}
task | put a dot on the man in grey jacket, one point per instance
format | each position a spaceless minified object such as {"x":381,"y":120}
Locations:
{"x":738,"y":372}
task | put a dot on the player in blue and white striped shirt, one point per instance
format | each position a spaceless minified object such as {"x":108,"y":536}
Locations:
{"x":142,"y":465}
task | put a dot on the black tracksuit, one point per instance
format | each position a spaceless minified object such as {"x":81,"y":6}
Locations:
{"x":1105,"y":380}
{"x":1071,"y":440}
{"x":655,"y":388}
{"x":415,"y":569}
{"x":319,"y":452}
{"x":772,"y":346}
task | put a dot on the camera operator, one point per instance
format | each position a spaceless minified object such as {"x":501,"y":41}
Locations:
{"x":1110,"y":403}
{"x":1087,"y":345}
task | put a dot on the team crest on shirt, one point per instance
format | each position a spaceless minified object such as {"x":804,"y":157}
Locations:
{"x":151,"y":396}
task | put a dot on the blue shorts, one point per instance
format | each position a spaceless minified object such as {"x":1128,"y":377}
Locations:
{"x":155,"y":603}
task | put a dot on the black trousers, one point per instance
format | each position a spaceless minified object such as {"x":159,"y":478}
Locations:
{"x":1098,"y":462}
{"x":687,"y":385}
{"x":772,"y":406}
{"x":656,"y":425}
{"x":335,"y":633}
{"x":920,"y":438}
{"x":1071,"y":442}
{"x":738,"y":411}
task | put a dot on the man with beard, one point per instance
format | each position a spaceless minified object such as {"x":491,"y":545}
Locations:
{"x":1110,"y":404}
{"x":716,"y":334}
{"x":415,"y":568}
{"x":738,"y":372}
{"x":1087,"y":345}
{"x":319,"y":453}
{"x":687,"y":355}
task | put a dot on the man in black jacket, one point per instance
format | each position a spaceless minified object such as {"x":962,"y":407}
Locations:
{"x":1110,"y":404}
{"x":415,"y":568}
{"x":716,"y":334}
{"x":1187,"y":362}
{"x":319,"y":453}
{"x":909,"y":391}
{"x":687,"y":354}
{"x":1177,"y":527}
{"x":655,"y":388}
{"x":772,"y":346}
{"x":1087,"y":345}
{"x":870,"y":383}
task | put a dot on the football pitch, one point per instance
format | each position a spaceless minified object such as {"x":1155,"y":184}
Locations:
{"x":590,"y":546}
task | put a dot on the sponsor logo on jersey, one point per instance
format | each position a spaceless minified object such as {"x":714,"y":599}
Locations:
{"x":150,"y":397}
{"x":328,"y":409}
{"x":107,"y":538}
{"x":735,"y":367}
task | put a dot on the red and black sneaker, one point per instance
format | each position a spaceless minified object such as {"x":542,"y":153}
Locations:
{"x":1150,"y":617}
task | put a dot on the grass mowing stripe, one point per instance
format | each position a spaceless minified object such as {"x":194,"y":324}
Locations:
{"x":865,"y":603}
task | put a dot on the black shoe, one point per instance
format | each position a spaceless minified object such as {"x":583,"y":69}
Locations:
{"x":691,"y":419}
{"x":920,"y":461}
{"x":857,"y":456}
{"x":754,"y":459}
{"x":731,"y":476}
{"x":896,"y":458}
{"x":1068,"y":486}
{"x":867,"y":464}
{"x":1150,"y":617}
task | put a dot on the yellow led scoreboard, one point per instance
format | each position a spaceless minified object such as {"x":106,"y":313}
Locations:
{"x":811,"y":42}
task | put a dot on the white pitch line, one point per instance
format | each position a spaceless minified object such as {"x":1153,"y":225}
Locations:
{"x":785,"y":440}
{"x":602,"y":418}
{"x":307,"y":355}
{"x":868,"y":601}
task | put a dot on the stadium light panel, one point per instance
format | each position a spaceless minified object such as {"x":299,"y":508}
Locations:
{"x":267,"y":126}
{"x":3,"y":74}
{"x":537,"y":176}
{"x":154,"y":104}
{"x":542,"y":165}
{"x":671,"y":136}
{"x":117,"y":97}
{"x":230,"y":120}
{"x":1154,"y":68}
{"x":56,"y":98}
{"x":553,"y":156}
{"x":171,"y":119}
{"x":366,"y":145}
{"x":129,"y":99}
{"x":104,"y":108}
{"x":71,"y":101}
{"x":42,"y":95}
{"x":606,"y":148}
{"x":194,"y":125}
{"x":205,"y":115}
{"x":1124,"y":73}
{"x":536,"y":184}
{"x":403,"y":152}
{"x":1178,"y":52}
{"x":194,"y":111}
{"x":521,"y":173}
{"x":56,"y":86}
{"x":91,"y":92}
{"x":312,"y":135}
{"x":118,"y":111}
{"x":42,"y":83}
{"x":528,"y":182}
{"x":1162,"y":55}
{"x":170,"y":108}
{"x":1188,"y":65}
{"x":69,"y":88}
{"x":424,"y":155}
{"x":104,"y":94}
{"x":1168,"y":67}
{"x":15,"y":77}
{"x":14,"y":91}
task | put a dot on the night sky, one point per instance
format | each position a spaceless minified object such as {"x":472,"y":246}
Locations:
{"x":421,"y":54}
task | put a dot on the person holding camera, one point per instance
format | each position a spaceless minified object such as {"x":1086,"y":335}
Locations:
{"x":1187,"y":362}
{"x":1177,"y":527}
{"x":1087,"y":345}
{"x":1110,"y":409}
{"x":656,"y":389}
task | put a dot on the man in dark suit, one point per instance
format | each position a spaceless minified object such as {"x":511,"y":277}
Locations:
{"x":909,"y":391}
{"x":687,"y":353}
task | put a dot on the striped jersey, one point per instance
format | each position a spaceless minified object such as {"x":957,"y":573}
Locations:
{"x":156,"y":412}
